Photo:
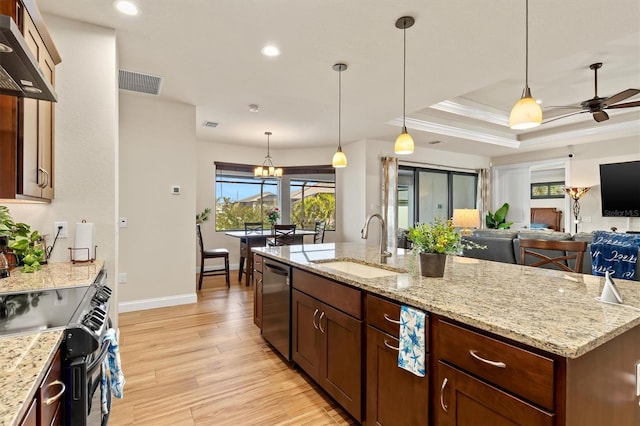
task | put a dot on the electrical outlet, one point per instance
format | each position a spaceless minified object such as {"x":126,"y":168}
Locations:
{"x":122,"y":277}
{"x":64,"y":232}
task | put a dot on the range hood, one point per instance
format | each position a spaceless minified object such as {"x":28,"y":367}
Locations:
{"x":20,"y":74}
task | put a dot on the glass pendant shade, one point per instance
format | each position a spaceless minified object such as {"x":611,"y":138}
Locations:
{"x":339,"y":159}
{"x":404,"y":143}
{"x":526,"y":113}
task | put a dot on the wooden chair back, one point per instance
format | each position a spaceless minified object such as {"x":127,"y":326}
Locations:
{"x":319,"y":229}
{"x":253,"y":227}
{"x":566,"y":250}
{"x":284,"y":234}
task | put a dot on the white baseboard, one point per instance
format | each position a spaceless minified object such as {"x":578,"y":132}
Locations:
{"x":232,"y":267}
{"x":157,"y":302}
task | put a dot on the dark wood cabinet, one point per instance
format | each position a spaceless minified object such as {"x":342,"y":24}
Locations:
{"x":465,"y":400}
{"x":394,"y":396}
{"x":51,"y":395}
{"x":46,"y":407}
{"x":31,"y":416}
{"x":257,"y":291}
{"x":27,"y":125}
{"x":327,"y":341}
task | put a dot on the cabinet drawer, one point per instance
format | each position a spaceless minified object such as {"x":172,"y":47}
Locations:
{"x":257,"y":263}
{"x":339,"y":296}
{"x":525,"y":373}
{"x":51,"y":392}
{"x":383,"y":314}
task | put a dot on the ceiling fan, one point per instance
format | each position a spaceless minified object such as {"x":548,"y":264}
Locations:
{"x":597,"y":105}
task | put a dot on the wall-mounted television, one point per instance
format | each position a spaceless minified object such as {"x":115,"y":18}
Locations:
{"x":620,"y":189}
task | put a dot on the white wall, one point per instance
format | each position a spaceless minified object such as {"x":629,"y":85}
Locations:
{"x":584,"y":171}
{"x":157,"y":249}
{"x":85,"y":141}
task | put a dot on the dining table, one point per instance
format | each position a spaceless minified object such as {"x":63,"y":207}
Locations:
{"x":249,"y":239}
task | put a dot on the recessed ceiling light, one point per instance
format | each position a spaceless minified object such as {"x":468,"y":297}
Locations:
{"x":270,"y":50}
{"x":254,"y":108}
{"x":126,"y":7}
{"x":539,"y":101}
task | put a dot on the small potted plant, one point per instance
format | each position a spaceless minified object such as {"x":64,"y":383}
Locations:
{"x":25,"y":243}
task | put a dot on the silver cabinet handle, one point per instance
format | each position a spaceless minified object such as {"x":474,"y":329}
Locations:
{"x":498,"y":364}
{"x":444,"y":406}
{"x":388,"y":318}
{"x":390,"y":346}
{"x":56,"y":397}
{"x":320,"y":322}
{"x":41,"y":172}
{"x":46,"y":181}
{"x":313,"y":320}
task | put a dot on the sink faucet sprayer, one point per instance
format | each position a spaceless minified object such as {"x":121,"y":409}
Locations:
{"x":383,"y":235}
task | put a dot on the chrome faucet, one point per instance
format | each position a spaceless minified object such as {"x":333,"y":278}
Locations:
{"x":384,"y":254}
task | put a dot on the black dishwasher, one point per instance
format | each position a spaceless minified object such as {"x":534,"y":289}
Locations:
{"x":276,"y":306}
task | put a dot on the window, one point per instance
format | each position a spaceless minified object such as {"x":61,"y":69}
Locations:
{"x":304,"y":195}
{"x":547,"y":190}
{"x":424,"y":194}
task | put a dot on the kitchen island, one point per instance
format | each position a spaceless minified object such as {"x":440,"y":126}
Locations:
{"x":586,"y":351}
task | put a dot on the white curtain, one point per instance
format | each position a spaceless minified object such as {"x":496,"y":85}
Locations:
{"x":484,"y":194}
{"x":390,"y":200}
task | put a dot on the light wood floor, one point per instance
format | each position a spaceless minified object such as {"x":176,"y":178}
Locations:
{"x":206,"y":364}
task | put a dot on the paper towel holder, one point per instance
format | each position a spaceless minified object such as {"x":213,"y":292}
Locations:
{"x":73,"y":250}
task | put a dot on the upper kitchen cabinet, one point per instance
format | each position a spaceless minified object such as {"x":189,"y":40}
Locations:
{"x":26,"y":123}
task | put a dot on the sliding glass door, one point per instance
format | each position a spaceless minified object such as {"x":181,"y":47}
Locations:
{"x":426,"y":194}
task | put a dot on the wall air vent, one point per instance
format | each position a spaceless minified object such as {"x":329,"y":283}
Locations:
{"x":138,"y":82}
{"x":210,"y":124}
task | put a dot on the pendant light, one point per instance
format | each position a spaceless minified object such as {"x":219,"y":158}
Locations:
{"x":267,"y":170}
{"x":404,"y":142}
{"x":526,"y":113}
{"x":339,"y":159}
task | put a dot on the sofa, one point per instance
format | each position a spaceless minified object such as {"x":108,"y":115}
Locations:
{"x":503,"y":245}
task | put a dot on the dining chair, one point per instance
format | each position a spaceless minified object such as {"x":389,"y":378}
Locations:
{"x":283,"y":235}
{"x":319,"y":229}
{"x":557,"y":253}
{"x":249,"y":228}
{"x":218,"y":253}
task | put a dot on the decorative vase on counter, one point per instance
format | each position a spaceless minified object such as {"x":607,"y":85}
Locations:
{"x":432,"y":264}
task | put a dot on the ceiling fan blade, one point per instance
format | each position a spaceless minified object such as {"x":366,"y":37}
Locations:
{"x":563,"y":116}
{"x":563,"y":107}
{"x":627,"y":105}
{"x":600,"y":116}
{"x":621,"y":96}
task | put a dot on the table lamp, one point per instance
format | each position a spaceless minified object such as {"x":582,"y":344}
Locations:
{"x":576,"y":192}
{"x":465,"y":219}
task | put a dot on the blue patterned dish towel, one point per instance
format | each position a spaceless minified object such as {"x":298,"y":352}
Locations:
{"x":615,"y":253}
{"x":411,"y":355}
{"x":112,"y":376}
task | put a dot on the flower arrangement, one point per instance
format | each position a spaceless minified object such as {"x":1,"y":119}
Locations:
{"x":437,"y":237}
{"x":273,"y":214}
{"x":440,"y":236}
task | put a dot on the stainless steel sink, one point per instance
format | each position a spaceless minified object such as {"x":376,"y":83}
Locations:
{"x":359,"y":269}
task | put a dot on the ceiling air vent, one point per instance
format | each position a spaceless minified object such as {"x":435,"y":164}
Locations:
{"x":138,"y":82}
{"x":210,"y":124}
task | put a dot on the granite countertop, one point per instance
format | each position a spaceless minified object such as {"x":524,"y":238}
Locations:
{"x":23,"y":364}
{"x":551,"y":310}
{"x":53,"y":275}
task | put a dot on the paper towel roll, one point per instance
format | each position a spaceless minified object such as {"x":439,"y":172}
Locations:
{"x":85,"y":238}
